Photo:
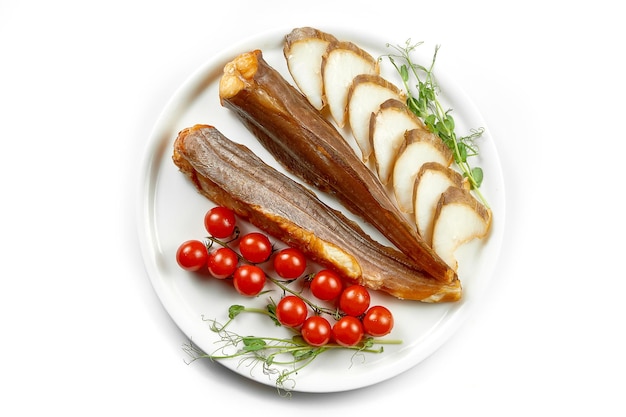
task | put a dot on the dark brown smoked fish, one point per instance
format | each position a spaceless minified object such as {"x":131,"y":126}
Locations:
{"x":231,"y":175}
{"x":309,"y":146}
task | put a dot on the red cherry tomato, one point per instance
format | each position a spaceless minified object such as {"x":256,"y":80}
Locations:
{"x":316,"y":331}
{"x":326,"y":285}
{"x":291,"y":311}
{"x":222,"y":263}
{"x":249,"y":280}
{"x":354,"y":300}
{"x":220,"y":222}
{"x":348,"y":331}
{"x":289,"y":263}
{"x":378,"y":321}
{"x":192,"y":255}
{"x":255,"y":247}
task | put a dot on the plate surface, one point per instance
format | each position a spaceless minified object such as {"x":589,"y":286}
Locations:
{"x":171,"y":211}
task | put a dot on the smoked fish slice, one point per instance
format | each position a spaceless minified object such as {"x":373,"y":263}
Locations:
{"x":231,"y":175}
{"x":310,"y":147}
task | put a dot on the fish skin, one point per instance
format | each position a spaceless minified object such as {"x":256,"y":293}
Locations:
{"x":310,"y":147}
{"x":231,"y":175}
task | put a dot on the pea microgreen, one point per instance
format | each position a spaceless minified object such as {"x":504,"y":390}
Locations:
{"x":282,"y":357}
{"x":422,"y":99}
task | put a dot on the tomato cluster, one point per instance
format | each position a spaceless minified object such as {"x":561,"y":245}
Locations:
{"x":355,"y":318}
{"x":352,"y":315}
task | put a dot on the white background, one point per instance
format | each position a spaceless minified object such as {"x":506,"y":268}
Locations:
{"x":82,"y":84}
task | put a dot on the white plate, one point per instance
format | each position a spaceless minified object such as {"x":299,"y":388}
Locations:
{"x":171,"y":211}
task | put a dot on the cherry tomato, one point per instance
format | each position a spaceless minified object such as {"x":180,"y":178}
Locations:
{"x":220,"y":222}
{"x":291,"y":311}
{"x":249,"y":280}
{"x":255,"y":247}
{"x":378,"y":321}
{"x":326,"y":285}
{"x":348,"y":331}
{"x":354,"y":300}
{"x":192,"y":255}
{"x":290,"y":263}
{"x":316,"y":331}
{"x":222,"y":262}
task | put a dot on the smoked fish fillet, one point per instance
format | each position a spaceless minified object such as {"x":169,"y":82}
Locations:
{"x":231,"y":175}
{"x":310,"y":147}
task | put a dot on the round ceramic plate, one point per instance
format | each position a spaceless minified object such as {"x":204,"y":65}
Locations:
{"x":172,"y":211}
